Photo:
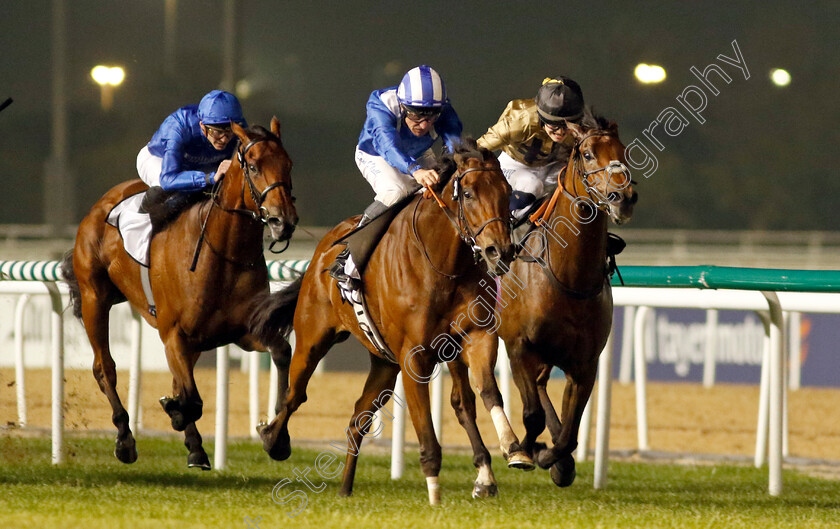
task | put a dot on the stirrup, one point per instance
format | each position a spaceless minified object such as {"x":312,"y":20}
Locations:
{"x":337,"y":270}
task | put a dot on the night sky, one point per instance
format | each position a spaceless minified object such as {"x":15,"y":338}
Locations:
{"x":763,"y":158}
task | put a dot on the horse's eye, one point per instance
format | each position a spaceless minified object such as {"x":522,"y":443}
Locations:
{"x":587,"y":156}
{"x":467,"y":194}
{"x":252,"y":168}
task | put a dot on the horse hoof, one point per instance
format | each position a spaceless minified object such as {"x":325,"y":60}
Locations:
{"x":485,"y":491}
{"x":520,"y":461}
{"x":280,"y":452}
{"x":198,"y":460}
{"x":126,"y":452}
{"x":563,"y":472}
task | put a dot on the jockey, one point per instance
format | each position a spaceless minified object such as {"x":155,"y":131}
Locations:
{"x":394,"y":152}
{"x":184,"y":153}
{"x":534,"y":140}
{"x":190,"y":151}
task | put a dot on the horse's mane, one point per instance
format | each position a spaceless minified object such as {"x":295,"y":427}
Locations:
{"x":468,"y":148}
{"x":591,"y":120}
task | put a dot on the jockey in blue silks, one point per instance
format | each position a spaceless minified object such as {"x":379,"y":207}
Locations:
{"x":394,"y":152}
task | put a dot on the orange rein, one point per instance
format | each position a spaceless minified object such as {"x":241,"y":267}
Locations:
{"x":544,"y":211}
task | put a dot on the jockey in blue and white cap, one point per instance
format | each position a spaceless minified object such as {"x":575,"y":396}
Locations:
{"x":394,"y":152}
{"x":193,"y":146}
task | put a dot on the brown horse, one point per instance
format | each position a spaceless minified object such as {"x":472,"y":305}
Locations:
{"x":557,"y":304}
{"x":422,"y":287}
{"x":196,"y":310}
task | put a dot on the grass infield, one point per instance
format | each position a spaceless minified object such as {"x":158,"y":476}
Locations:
{"x":93,"y":490}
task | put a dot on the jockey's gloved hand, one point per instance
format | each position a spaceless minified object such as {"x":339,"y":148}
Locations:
{"x":520,"y":199}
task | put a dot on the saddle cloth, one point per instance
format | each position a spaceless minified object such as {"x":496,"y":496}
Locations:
{"x":135,"y":227}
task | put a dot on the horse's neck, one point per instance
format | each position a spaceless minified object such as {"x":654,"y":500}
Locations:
{"x":576,"y":245}
{"x":439,"y":240}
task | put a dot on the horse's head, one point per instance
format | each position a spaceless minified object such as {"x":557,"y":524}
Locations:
{"x":266,"y":170}
{"x":597,"y":165}
{"x":480,"y":194}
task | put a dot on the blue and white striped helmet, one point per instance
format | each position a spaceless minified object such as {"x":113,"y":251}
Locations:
{"x":422,"y":87}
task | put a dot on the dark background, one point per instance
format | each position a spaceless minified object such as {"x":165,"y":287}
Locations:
{"x":765,"y":159}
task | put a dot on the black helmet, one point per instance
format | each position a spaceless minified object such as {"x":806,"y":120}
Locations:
{"x":559,"y":99}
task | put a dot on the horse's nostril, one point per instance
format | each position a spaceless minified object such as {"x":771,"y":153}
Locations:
{"x":634,"y":198}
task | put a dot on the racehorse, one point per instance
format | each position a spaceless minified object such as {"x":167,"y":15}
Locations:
{"x":196,"y":310}
{"x":557,"y":302}
{"x":421,"y":286}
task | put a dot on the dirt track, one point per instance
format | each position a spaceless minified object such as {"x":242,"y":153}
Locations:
{"x":683,"y":418}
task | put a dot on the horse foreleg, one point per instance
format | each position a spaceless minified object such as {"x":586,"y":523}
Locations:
{"x":378,"y":389}
{"x":197,"y":457}
{"x":281,"y":355}
{"x":186,"y":405}
{"x":525,"y":366}
{"x":419,"y":406}
{"x":463,"y":402}
{"x":95,"y":314}
{"x":559,"y":457}
{"x":480,"y":357}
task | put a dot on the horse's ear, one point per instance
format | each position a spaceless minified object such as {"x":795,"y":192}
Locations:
{"x":275,"y":126}
{"x":240,"y":132}
{"x":576,"y":130}
{"x":612,"y":127}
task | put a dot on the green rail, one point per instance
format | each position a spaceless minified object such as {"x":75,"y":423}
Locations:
{"x":779,"y":280}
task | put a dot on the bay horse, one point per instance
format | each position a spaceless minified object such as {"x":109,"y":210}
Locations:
{"x":421,"y":285}
{"x":563,"y":314}
{"x":196,"y":310}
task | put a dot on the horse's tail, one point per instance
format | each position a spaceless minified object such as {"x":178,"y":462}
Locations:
{"x":69,"y":277}
{"x":272,"y":314}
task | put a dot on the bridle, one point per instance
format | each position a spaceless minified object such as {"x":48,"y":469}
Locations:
{"x":459,"y":220}
{"x":601,"y":202}
{"x":260,"y":214}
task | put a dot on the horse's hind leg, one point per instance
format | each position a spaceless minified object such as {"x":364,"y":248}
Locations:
{"x":281,"y":355}
{"x":95,"y":315}
{"x":312,"y":345}
{"x":463,"y":402}
{"x":378,"y":389}
{"x":197,"y":457}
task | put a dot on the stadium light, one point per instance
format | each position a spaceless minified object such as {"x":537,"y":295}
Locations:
{"x":649,"y":73}
{"x":780,"y":77}
{"x":107,"y":79}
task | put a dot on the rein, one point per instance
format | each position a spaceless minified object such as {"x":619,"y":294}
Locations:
{"x":459,"y":221}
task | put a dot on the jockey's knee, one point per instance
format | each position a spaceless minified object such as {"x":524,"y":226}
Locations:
{"x":392,"y":196}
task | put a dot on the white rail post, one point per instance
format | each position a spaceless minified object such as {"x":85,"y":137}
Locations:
{"x":710,"y":363}
{"x":222,"y":371}
{"x":777,"y":383}
{"x":57,"y":324}
{"x":795,"y":344}
{"x":398,"y":431}
{"x":20,"y":363}
{"x":640,"y":369}
{"x":134,"y":375}
{"x":602,"y":434}
{"x":625,"y":368}
{"x":254,"y":391}
{"x":763,"y":395}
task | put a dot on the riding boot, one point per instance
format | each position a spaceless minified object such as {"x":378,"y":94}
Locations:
{"x":520,"y":204}
{"x":371,"y":212}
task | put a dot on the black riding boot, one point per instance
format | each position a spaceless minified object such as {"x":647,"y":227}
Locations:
{"x":371,"y":212}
